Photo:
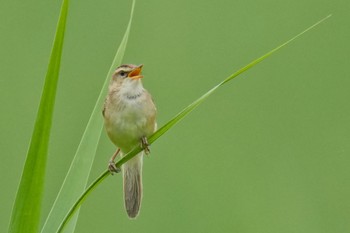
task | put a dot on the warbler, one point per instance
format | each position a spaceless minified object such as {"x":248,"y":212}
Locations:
{"x":129,"y":118}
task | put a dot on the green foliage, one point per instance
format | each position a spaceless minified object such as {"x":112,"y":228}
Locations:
{"x":77,"y":176}
{"x":27,"y":207}
{"x":175,"y":120}
{"x":64,"y":212}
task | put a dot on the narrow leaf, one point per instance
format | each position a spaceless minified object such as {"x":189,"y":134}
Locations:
{"x":76,"y":179}
{"x":27,"y":207}
{"x":175,"y":120}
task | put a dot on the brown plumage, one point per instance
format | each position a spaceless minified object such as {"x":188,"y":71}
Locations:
{"x":130,"y":117}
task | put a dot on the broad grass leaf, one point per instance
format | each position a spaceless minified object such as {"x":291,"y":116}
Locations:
{"x":27,"y":208}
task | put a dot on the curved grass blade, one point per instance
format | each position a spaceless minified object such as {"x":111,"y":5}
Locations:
{"x":197,"y":102}
{"x":76,"y":179}
{"x":27,"y":207}
{"x":175,"y":120}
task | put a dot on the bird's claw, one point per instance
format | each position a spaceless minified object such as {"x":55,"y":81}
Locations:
{"x":144,"y":145}
{"x":112,"y":168}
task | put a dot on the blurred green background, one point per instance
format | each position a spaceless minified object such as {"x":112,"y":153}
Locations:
{"x":267,"y":153}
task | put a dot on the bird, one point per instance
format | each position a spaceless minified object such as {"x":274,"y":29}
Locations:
{"x":129,"y":118}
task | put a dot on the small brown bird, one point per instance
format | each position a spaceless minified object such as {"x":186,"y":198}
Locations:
{"x":130,"y":117}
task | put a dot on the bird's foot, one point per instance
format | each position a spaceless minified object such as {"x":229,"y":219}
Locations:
{"x":112,"y":168}
{"x":144,"y":145}
{"x":111,"y":164}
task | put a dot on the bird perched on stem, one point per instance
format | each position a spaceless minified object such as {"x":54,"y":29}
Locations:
{"x":130,"y":117}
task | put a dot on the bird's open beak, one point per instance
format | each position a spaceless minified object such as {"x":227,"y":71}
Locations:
{"x":136,"y":73}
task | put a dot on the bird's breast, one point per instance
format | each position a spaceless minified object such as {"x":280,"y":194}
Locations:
{"x":127,"y":120}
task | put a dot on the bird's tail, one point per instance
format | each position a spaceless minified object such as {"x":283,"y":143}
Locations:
{"x":132,"y":183}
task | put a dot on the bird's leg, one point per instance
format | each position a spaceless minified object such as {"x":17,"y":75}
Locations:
{"x":111,"y":164}
{"x":144,"y":145}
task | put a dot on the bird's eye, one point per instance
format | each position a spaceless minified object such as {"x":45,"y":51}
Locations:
{"x":123,"y":74}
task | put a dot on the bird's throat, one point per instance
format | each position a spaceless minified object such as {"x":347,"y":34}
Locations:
{"x":131,"y":91}
{"x":133,"y":96}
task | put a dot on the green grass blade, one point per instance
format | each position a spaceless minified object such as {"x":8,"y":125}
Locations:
{"x":27,"y":207}
{"x":76,"y":179}
{"x":175,"y":120}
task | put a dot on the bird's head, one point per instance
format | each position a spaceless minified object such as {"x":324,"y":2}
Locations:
{"x":127,"y":79}
{"x":128,"y":73}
